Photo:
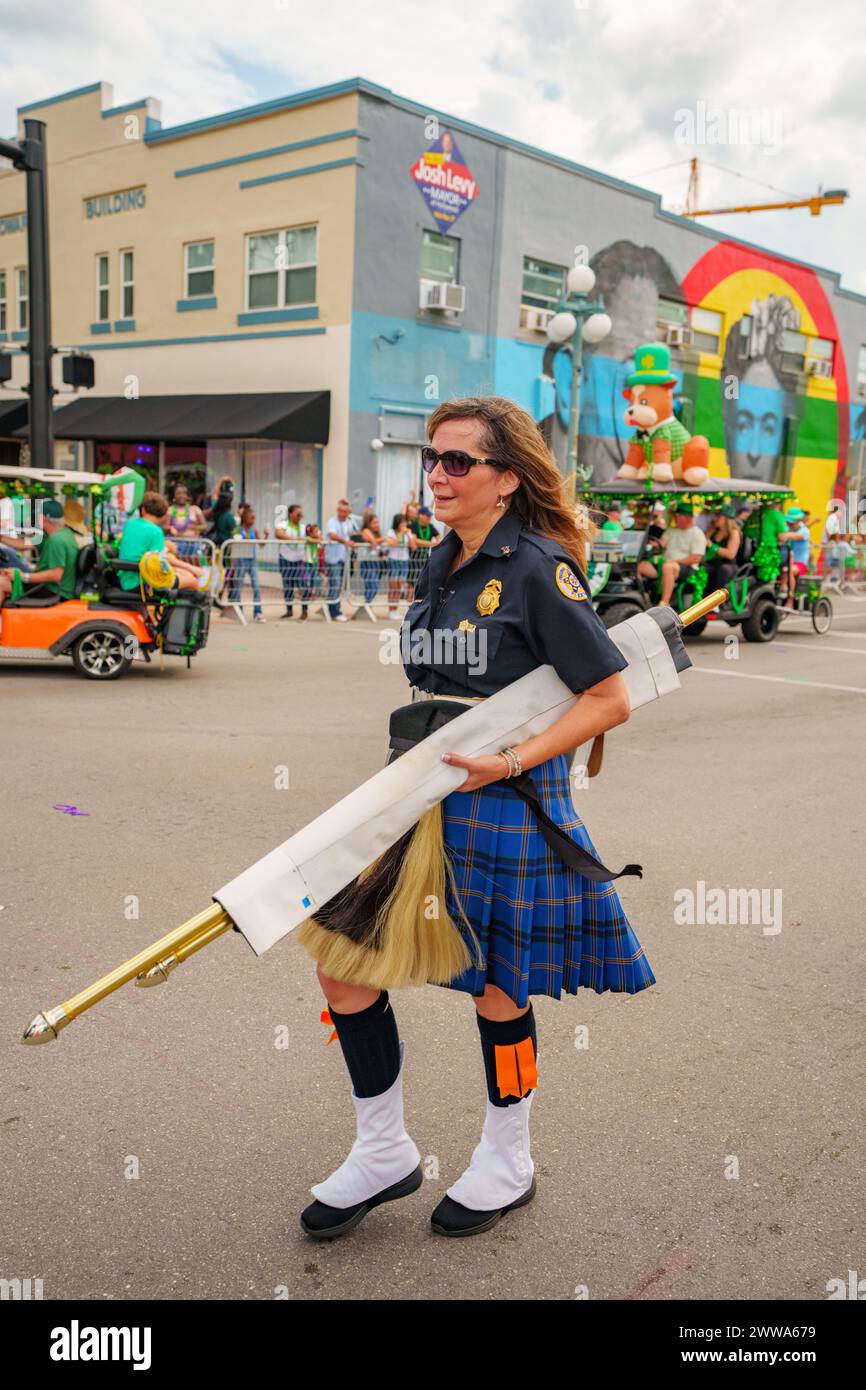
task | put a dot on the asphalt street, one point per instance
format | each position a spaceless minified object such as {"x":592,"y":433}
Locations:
{"x":703,"y":1139}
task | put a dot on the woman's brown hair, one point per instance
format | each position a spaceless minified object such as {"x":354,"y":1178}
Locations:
{"x":512,"y":438}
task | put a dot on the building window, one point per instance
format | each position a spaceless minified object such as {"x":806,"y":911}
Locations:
{"x":2,"y":301}
{"x":799,"y":351}
{"x":794,"y":346}
{"x":543,"y":284}
{"x":21,"y":297}
{"x":707,"y":330}
{"x":127,"y":285}
{"x":861,"y":370}
{"x":671,"y":311}
{"x":820,"y":350}
{"x":198,"y":269}
{"x":103,"y":308}
{"x":439,"y":258}
{"x":281,"y":268}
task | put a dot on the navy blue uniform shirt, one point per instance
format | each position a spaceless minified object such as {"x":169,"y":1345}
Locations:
{"x":518,"y":604}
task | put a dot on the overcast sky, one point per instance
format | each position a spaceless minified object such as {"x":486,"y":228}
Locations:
{"x":621,"y":85}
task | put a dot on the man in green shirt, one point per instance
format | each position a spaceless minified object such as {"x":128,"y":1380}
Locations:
{"x":57,"y":562}
{"x":768,"y":528}
{"x":145,"y":532}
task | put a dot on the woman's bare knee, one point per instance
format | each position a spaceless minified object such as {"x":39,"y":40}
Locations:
{"x":346,"y":999}
{"x":498,"y":1006}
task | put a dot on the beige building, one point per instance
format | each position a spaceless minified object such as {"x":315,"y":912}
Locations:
{"x":208,"y":269}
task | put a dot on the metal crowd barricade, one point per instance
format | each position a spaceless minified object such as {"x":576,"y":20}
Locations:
{"x":843,"y":565}
{"x":273,"y":574}
{"x":204,"y":553}
{"x":375,"y":577}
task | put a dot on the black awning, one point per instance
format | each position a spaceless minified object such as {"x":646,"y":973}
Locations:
{"x":300,"y":416}
{"x":13,"y":418}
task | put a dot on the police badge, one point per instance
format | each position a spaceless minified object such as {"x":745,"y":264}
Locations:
{"x":488,"y":600}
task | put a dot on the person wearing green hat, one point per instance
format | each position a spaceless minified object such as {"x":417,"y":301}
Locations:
{"x":57,"y":562}
{"x":684,"y":545}
{"x":797,"y":536}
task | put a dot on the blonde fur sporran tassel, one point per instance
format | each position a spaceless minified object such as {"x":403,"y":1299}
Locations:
{"x":414,"y":940}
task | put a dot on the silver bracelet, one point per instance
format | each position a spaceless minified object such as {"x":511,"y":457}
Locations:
{"x":513,"y":759}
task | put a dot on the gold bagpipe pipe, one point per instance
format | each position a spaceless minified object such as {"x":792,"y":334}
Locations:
{"x":153,"y":965}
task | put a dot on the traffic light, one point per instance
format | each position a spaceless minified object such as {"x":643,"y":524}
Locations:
{"x":78,"y":371}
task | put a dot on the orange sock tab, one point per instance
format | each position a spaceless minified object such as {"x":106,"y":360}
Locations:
{"x":516,"y":1072}
{"x":325,"y":1017}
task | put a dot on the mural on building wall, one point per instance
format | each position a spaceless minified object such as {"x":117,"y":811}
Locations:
{"x":760,"y":418}
{"x":630,"y":279}
{"x":765,"y":417}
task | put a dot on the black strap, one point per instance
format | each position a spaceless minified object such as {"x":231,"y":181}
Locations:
{"x":411,"y":723}
{"x":573,"y":854}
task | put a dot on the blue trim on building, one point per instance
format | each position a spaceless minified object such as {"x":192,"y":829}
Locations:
{"x":124,"y":325}
{"x":266,"y":108}
{"x":20,"y":335}
{"x":118,"y":110}
{"x":101,"y":327}
{"x":267,"y":154}
{"x":151,"y":126}
{"x":204,"y":338}
{"x":297,"y":173}
{"x":64,"y":96}
{"x":204,"y":301}
{"x":304,"y":311}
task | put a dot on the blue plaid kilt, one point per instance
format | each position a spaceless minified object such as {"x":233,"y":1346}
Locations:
{"x":543,"y":928}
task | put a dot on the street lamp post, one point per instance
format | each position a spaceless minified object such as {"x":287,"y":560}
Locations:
{"x":581,"y":320}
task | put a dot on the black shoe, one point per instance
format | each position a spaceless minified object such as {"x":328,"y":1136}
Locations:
{"x":325,"y":1223}
{"x":303,"y":615}
{"x":452,"y":1219}
{"x":288,"y":614}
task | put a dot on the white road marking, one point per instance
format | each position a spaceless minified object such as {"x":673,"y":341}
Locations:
{"x":820,"y":647}
{"x":780,"y":680}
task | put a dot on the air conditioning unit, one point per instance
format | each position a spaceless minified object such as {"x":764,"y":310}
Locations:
{"x":536,"y":320}
{"x":436,"y":295}
{"x":818,"y":366}
{"x":678,"y":335}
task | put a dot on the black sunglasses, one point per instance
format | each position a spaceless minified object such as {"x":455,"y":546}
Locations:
{"x":454,"y":461}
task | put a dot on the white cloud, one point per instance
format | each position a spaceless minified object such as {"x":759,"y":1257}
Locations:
{"x":619,"y":71}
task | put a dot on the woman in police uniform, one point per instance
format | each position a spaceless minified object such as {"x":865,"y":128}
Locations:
{"x":507,"y":581}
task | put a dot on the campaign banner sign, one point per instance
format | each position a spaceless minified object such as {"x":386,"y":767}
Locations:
{"x":443,"y":180}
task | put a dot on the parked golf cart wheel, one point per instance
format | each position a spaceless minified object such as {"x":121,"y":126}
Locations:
{"x":822,"y":614}
{"x":619,"y":613}
{"x":762,"y":623}
{"x":695,"y":629}
{"x":101,"y":655}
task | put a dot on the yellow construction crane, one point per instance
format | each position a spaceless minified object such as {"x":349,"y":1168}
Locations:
{"x":814,"y":204}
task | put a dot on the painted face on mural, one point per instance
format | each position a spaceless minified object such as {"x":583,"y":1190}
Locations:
{"x":758,"y":424}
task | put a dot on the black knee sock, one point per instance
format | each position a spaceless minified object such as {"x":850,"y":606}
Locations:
{"x":371,"y":1046}
{"x":505,"y":1033}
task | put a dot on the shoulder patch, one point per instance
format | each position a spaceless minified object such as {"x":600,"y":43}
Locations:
{"x":568,"y":583}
